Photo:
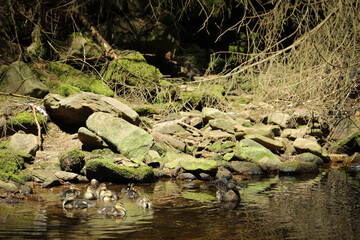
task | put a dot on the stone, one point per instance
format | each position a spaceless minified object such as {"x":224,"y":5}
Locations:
{"x":309,"y":157}
{"x":153,"y":159}
{"x":281,"y":119}
{"x":252,"y":151}
{"x":128,"y":139}
{"x":348,"y":145}
{"x":293,"y":134}
{"x":269,"y":131}
{"x":293,"y":167}
{"x":168,"y":140}
{"x":19,"y":79}
{"x":301,"y":116}
{"x":173,"y":160}
{"x":67,"y":176}
{"x":226,"y":124}
{"x":271,"y":144}
{"x":305,"y":145}
{"x":90,"y":140}
{"x":74,"y":110}
{"x":212,"y":113}
{"x":218,"y":134}
{"x":205,"y":176}
{"x":246,"y":168}
{"x":9,"y":186}
{"x":105,"y":170}
{"x":24,"y":143}
{"x":72,"y":161}
{"x":342,"y":158}
{"x":223,"y":173}
{"x":169,"y":127}
{"x":353,"y":165}
{"x":186,"y":176}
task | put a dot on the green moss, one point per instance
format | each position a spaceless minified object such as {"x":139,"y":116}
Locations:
{"x":147,"y":110}
{"x":4,"y":144}
{"x":26,"y":119}
{"x":203,"y":94}
{"x":72,"y":161}
{"x":131,"y":69}
{"x":70,"y":76}
{"x":107,"y":170}
{"x":10,"y":164}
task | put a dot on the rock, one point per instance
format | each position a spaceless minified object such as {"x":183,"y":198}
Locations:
{"x":173,"y":160}
{"x":301,"y":116}
{"x":130,"y":140}
{"x":223,"y":173}
{"x":205,"y":176}
{"x":213,"y":113}
{"x":252,"y":151}
{"x":293,"y":134}
{"x":74,"y":110}
{"x":105,"y":170}
{"x":353,"y":165}
{"x":186,"y":176}
{"x":67,"y":176}
{"x":348,"y":145}
{"x":51,"y":182}
{"x":293,"y":167}
{"x":72,"y":161}
{"x":218,"y":134}
{"x":271,"y":144}
{"x":342,"y":158}
{"x":20,"y":79}
{"x":305,"y":145}
{"x":223,"y":124}
{"x":90,"y":140}
{"x":153,"y":159}
{"x":247,"y":168}
{"x":269,"y":131}
{"x":309,"y":157}
{"x":9,"y":186}
{"x":281,"y":119}
{"x":24,"y":143}
{"x":169,"y":127}
{"x":168,"y":140}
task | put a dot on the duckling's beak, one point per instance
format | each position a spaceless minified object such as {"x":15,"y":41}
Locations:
{"x":239,"y":187}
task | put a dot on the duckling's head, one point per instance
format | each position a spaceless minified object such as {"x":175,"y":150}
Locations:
{"x":120,"y":206}
{"x":70,"y":196}
{"x":74,"y":187}
{"x":89,"y":189}
{"x":108,"y":193}
{"x":102,"y":187}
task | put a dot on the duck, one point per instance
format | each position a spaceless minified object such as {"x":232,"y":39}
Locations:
{"x":132,"y":193}
{"x":71,"y":202}
{"x":227,"y":190}
{"x":72,"y":189}
{"x":110,"y":196}
{"x":90,"y":193}
{"x":127,"y":187}
{"x":117,"y":211}
{"x":100,"y":191}
{"x":144,"y":202}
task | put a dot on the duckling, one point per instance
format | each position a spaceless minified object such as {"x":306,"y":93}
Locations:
{"x":144,"y":202}
{"x":110,"y":196}
{"x":90,"y":193}
{"x":71,"y":202}
{"x":118,"y":210}
{"x":227,"y":190}
{"x":100,"y":191}
{"x":132,"y":193}
{"x":72,"y":189}
{"x":127,"y":187}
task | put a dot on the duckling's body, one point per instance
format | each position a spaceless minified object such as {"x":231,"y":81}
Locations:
{"x":90,"y":193}
{"x":117,"y":211}
{"x":72,"y":189}
{"x":127,"y":187}
{"x":144,"y":202}
{"x":71,"y":202}
{"x":100,"y":191}
{"x":133,"y":193}
{"x":110,"y":196}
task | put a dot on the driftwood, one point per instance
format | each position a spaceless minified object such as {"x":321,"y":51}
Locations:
{"x":37,"y":125}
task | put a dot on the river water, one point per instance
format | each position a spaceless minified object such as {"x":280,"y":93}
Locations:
{"x":323,"y":206}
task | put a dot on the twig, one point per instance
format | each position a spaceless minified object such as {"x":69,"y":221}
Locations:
{"x":37,"y":125}
{"x":18,"y":95}
{"x":15,"y":28}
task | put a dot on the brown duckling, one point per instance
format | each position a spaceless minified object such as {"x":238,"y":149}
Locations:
{"x":117,"y":211}
{"x":144,"y":202}
{"x":90,"y":193}
{"x":127,"y":187}
{"x":132,"y":193}
{"x":72,"y":189}
{"x":110,"y":196}
{"x":100,"y":191}
{"x":71,"y":202}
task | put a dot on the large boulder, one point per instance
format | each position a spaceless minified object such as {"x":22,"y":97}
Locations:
{"x":293,"y":167}
{"x":20,"y":79}
{"x":128,"y":139}
{"x":269,"y":143}
{"x":72,"y":161}
{"x":249,"y":150}
{"x":308,"y":145}
{"x":24,"y":143}
{"x":74,"y":110}
{"x":107,"y":171}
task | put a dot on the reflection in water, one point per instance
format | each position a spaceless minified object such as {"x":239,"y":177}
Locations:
{"x":325,"y":206}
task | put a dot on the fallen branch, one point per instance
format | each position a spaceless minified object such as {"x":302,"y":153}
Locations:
{"x":18,"y":95}
{"x":37,"y":125}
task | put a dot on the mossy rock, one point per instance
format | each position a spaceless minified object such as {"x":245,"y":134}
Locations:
{"x":294,"y":167}
{"x":80,"y":80}
{"x":131,"y":69}
{"x":203,"y":95}
{"x":67,"y":90}
{"x":25,"y":121}
{"x":173,"y":160}
{"x":106,"y":170}
{"x":10,"y":165}
{"x":348,"y":145}
{"x":72,"y":161}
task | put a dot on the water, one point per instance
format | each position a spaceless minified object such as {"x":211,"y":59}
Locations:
{"x":323,"y":206}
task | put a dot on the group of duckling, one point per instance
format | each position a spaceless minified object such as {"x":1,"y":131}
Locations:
{"x":102,"y":193}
